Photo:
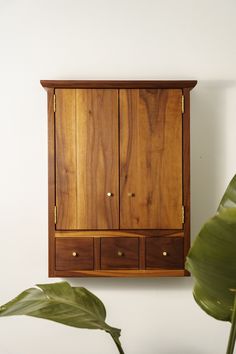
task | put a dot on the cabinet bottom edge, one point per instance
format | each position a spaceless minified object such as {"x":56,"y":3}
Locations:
{"x":120,"y":273}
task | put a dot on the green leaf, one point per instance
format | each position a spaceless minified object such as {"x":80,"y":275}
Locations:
{"x":212,"y":260}
{"x":59,"y":302}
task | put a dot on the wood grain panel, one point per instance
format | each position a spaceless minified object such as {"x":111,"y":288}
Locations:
{"x":97,"y":159}
{"x":151,"y":159}
{"x":66,"y":164}
{"x":87,"y":157}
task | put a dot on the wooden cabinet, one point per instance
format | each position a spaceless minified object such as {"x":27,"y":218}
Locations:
{"x":119,"y":194}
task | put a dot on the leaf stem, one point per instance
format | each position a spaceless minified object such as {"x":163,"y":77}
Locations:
{"x":232,"y":336}
{"x":117,"y":342}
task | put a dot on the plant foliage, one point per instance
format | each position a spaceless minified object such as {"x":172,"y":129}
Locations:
{"x":212,"y":260}
{"x":60,"y":302}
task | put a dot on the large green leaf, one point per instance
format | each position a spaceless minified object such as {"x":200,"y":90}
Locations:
{"x":59,"y":302}
{"x":212,"y":260}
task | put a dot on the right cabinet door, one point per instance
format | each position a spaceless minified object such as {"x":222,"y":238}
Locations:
{"x":151,"y":159}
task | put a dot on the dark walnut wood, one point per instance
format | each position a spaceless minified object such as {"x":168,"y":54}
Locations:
{"x":73,"y":254}
{"x":87,"y":174}
{"x":119,"y":253}
{"x":151,"y":159}
{"x":163,"y":84}
{"x":164,"y":252}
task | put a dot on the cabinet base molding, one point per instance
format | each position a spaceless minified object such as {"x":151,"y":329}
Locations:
{"x":122,"y":273}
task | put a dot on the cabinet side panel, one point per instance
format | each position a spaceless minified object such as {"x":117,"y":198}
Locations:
{"x":66,"y":168}
{"x":97,"y":159}
{"x":151,"y":158}
{"x":51,"y":185}
{"x":186,"y":169}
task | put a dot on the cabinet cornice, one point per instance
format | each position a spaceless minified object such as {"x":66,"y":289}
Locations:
{"x":132,"y":84}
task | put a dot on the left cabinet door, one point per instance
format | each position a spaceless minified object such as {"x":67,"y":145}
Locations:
{"x":87,"y":159}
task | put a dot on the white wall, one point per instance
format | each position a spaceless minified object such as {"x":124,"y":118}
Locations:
{"x":108,"y":39}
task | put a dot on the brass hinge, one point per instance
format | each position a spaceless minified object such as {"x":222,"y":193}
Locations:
{"x":182,"y":104}
{"x":55,"y":214}
{"x":54,"y":103}
{"x":182,"y":214}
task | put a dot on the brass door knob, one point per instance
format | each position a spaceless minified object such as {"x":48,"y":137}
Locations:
{"x":74,"y":254}
{"x":164,"y":253}
{"x":120,"y":254}
{"x":109,"y":194}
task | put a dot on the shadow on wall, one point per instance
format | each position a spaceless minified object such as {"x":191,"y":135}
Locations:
{"x":213,"y":108}
{"x":130,"y":284}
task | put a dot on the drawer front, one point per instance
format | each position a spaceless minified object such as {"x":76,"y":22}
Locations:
{"x":119,"y":253}
{"x":165,"y":252}
{"x":74,"y":253}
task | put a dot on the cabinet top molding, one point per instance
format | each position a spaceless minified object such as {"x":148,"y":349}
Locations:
{"x":108,"y":84}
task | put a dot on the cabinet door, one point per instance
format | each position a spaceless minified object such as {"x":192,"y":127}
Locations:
{"x":87,"y":167}
{"x":151,"y":159}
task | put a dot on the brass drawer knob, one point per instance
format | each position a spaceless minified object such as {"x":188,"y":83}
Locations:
{"x":109,"y":194}
{"x":164,"y":253}
{"x":120,"y":254}
{"x":130,"y":194}
{"x":75,"y":254}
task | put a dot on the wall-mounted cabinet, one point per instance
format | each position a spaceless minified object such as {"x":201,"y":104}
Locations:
{"x":119,"y":189}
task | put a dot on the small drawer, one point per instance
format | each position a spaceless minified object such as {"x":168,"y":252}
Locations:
{"x":119,"y":253}
{"x":165,"y":252}
{"x":74,"y":253}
